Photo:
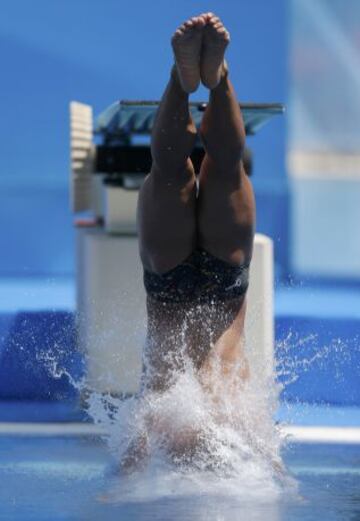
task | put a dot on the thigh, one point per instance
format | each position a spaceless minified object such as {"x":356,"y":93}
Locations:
{"x":167,"y":218}
{"x":225,"y":212}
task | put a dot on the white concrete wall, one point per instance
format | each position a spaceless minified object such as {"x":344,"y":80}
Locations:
{"x":325,"y":221}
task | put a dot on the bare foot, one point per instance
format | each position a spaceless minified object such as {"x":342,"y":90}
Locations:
{"x":186,"y":43}
{"x":215,"y":40}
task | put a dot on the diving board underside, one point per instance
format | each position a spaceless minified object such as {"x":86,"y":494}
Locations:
{"x":137,"y":117}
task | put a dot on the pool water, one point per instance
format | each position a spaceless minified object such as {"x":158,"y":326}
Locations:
{"x":68,"y":478}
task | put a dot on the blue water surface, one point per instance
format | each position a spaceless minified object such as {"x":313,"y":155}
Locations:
{"x":65,"y":479}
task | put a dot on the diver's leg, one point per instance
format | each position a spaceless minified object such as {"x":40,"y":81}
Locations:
{"x":166,"y":208}
{"x":166,"y":205}
{"x":226,"y":208}
{"x":225,"y":212}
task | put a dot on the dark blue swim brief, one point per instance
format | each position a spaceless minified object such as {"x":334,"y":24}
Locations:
{"x":201,"y":278}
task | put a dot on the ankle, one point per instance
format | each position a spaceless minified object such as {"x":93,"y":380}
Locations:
{"x":223,"y":85}
{"x":224,"y":74}
{"x":175,"y":78}
{"x":224,"y":69}
{"x":223,"y":80}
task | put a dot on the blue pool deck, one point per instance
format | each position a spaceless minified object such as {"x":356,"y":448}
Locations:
{"x":40,"y":312}
{"x":66,"y":479}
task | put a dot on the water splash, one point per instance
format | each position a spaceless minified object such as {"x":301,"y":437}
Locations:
{"x":227,"y":445}
{"x":195,"y":441}
{"x":235,"y":455}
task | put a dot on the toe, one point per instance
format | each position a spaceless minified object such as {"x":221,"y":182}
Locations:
{"x":201,"y":21}
{"x":214,"y":20}
{"x":188,"y":23}
{"x":177,"y":34}
{"x":219,"y":28}
{"x":197,"y":21}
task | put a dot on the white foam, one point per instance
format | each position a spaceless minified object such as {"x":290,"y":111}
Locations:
{"x":237,"y":444}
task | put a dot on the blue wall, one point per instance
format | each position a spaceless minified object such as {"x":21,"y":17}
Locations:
{"x":96,"y":52}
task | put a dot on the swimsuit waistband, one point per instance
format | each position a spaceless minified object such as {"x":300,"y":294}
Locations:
{"x":201,"y":278}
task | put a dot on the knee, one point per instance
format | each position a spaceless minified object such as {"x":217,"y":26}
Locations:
{"x":173,"y":153}
{"x":228,"y":153}
{"x":172,"y":166}
{"x":228,"y":158}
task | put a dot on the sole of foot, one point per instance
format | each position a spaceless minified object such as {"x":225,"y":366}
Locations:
{"x":186,"y":43}
{"x":215,"y":41}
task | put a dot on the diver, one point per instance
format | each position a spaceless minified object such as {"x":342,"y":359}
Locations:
{"x":196,"y":234}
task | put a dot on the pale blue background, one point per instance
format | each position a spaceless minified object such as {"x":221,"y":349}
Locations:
{"x":52,"y":52}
